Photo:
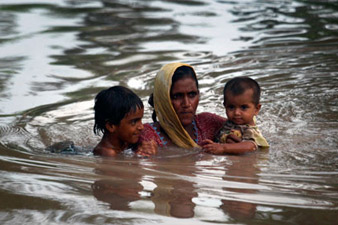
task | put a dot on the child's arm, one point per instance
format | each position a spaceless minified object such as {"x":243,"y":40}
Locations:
{"x":232,"y":138}
{"x":228,"y":148}
{"x":147,"y":148}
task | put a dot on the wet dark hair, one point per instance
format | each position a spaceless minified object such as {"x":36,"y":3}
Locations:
{"x":180,"y":73}
{"x":239,"y":85}
{"x":184,"y":72}
{"x":112,"y":105}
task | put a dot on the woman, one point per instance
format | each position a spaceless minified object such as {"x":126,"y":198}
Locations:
{"x":175,"y":100}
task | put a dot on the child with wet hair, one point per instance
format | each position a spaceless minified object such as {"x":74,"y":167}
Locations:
{"x":118,"y":116}
{"x":239,"y":133}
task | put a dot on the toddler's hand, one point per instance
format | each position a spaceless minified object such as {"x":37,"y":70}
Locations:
{"x":232,"y":138}
{"x":211,"y":147}
{"x":147,"y":148}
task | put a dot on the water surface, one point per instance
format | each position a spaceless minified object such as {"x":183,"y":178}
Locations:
{"x":55,"y":56}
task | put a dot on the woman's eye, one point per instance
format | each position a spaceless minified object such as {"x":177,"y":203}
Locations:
{"x":192,"y":94}
{"x":176,"y":96}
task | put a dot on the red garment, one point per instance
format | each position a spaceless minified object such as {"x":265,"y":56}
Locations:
{"x":208,"y":124}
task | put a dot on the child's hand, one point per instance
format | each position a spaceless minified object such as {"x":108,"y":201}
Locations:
{"x":211,"y":147}
{"x":232,"y":138}
{"x":147,"y":148}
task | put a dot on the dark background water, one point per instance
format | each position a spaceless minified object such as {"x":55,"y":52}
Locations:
{"x":55,"y":56}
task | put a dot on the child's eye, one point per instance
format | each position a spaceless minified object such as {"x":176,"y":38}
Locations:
{"x":230,"y":107}
{"x":244,"y":107}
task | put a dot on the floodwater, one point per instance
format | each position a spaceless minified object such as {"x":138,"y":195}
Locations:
{"x":55,"y":56}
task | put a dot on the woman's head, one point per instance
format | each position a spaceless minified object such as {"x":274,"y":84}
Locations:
{"x":184,"y":94}
{"x":175,"y":85}
{"x":182,"y":72}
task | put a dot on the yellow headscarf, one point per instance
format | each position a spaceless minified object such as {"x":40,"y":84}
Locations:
{"x":165,"y":111}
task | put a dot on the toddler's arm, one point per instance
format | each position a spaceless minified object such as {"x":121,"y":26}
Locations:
{"x":228,"y":148}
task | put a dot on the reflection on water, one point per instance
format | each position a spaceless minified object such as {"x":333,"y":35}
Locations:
{"x":56,"y":56}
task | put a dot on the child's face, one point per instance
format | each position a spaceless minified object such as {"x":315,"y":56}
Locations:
{"x":240,"y":109}
{"x":130,"y":127}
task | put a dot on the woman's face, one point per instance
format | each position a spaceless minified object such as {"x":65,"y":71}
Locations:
{"x":184,"y":98}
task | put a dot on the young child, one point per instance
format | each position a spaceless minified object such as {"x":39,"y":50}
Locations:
{"x":241,"y":102}
{"x":118,"y":115}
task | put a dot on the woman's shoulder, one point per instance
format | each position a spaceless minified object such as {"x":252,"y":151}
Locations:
{"x":208,"y":124}
{"x":148,"y":128}
{"x":210,"y":117}
{"x":150,"y":132}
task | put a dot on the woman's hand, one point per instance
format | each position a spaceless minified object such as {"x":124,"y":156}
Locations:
{"x":147,"y":148}
{"x":211,"y":147}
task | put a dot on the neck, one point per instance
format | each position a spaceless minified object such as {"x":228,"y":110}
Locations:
{"x":192,"y":130}
{"x":188,"y":128}
{"x":115,"y":143}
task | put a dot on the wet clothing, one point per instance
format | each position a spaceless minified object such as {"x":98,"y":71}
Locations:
{"x":246,"y":132}
{"x":165,"y":112}
{"x":207,"y":125}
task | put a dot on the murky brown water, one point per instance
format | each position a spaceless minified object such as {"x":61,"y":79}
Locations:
{"x":56,"y":55}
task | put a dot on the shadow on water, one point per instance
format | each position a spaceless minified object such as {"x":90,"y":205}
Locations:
{"x":55,"y":57}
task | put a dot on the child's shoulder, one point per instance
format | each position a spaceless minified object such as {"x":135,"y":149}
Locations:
{"x":103,"y":150}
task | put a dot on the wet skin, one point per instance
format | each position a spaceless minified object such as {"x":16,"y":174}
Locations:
{"x":118,"y":137}
{"x":185,"y":98}
{"x":241,"y":109}
{"x":130,"y":127}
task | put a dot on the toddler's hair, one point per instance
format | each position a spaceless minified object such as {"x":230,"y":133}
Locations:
{"x":112,"y":105}
{"x":239,"y":85}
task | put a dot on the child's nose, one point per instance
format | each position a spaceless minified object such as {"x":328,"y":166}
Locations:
{"x":140,"y":126}
{"x":237,"y":111}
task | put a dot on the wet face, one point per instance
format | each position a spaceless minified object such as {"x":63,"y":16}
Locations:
{"x":240,"y":109}
{"x":184,"y":98}
{"x":130,"y":127}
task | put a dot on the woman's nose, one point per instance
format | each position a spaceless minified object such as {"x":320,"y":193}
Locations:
{"x":186,"y":101}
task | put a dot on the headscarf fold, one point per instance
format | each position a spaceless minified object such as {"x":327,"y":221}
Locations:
{"x":165,"y":111}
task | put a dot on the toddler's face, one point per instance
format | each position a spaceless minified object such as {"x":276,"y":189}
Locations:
{"x":130,"y":127}
{"x":240,"y":109}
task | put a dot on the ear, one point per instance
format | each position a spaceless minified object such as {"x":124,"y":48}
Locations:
{"x":258,"y":108}
{"x":110,"y":127}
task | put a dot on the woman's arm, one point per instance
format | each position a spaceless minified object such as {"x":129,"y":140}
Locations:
{"x":147,"y":148}
{"x":149,"y":141}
